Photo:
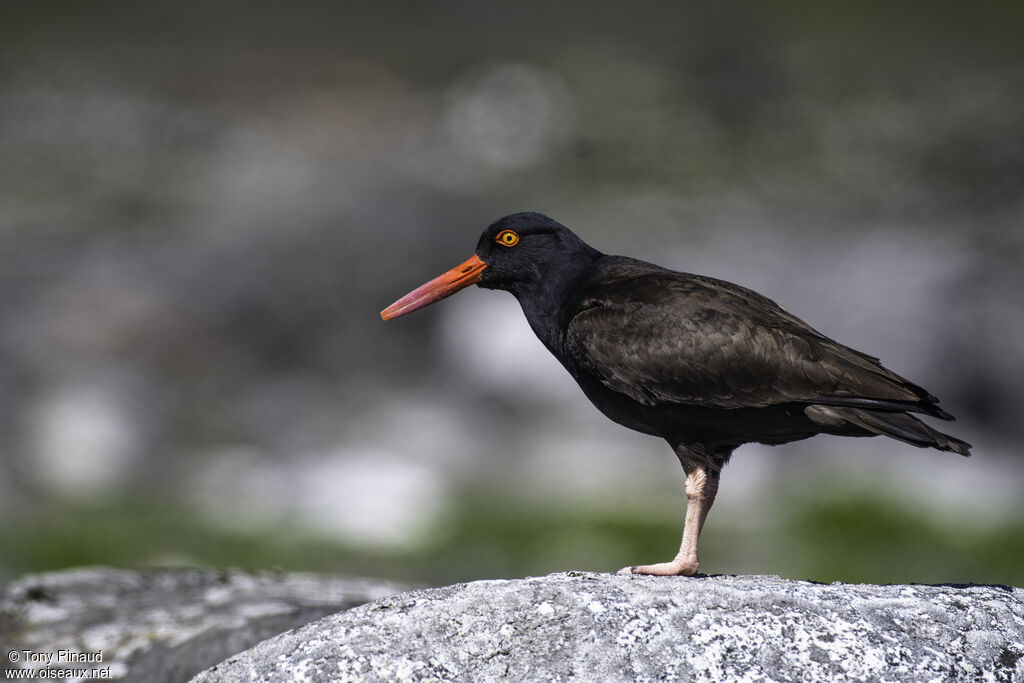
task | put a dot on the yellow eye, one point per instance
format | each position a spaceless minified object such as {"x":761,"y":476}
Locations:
{"x":507,"y":238}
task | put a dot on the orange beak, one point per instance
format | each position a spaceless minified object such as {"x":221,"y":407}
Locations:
{"x":459,"y":277}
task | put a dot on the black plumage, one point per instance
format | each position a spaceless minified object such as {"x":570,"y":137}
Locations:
{"x":703,"y":363}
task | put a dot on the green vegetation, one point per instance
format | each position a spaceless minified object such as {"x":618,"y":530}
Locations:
{"x":830,"y":538}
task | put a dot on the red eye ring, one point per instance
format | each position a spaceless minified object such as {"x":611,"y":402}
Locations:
{"x":507,"y":238}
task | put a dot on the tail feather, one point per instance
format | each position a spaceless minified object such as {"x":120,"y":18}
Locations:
{"x":892,"y":424}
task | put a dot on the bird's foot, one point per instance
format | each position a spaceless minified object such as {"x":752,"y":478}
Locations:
{"x":677,"y":567}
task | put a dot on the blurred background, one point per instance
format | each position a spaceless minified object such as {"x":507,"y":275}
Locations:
{"x":204,"y":206}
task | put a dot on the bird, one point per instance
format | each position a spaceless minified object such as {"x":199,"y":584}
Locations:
{"x":705,"y":364}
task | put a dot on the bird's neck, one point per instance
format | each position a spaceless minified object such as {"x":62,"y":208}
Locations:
{"x":548,"y":302}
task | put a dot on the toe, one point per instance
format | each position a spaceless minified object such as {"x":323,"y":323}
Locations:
{"x":675,"y":568}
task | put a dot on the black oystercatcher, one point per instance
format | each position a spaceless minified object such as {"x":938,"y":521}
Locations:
{"x":705,"y":364}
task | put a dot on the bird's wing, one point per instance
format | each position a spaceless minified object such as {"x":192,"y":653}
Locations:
{"x":666,"y":337}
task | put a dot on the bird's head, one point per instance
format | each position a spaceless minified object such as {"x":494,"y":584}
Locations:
{"x":523,"y":253}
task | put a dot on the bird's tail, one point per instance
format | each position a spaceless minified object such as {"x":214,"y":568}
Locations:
{"x":892,"y":424}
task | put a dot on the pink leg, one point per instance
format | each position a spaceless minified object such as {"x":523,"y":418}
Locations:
{"x":700,"y":494}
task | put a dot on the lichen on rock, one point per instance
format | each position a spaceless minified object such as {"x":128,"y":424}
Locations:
{"x":628,"y":628}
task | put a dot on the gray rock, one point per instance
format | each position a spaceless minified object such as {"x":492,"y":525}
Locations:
{"x":159,"y":625}
{"x":631,"y":628}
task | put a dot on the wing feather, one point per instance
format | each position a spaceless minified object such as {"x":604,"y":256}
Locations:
{"x":659,"y":336}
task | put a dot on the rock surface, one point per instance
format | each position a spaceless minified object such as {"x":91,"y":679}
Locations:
{"x":158,"y":626}
{"x":632,"y":628}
